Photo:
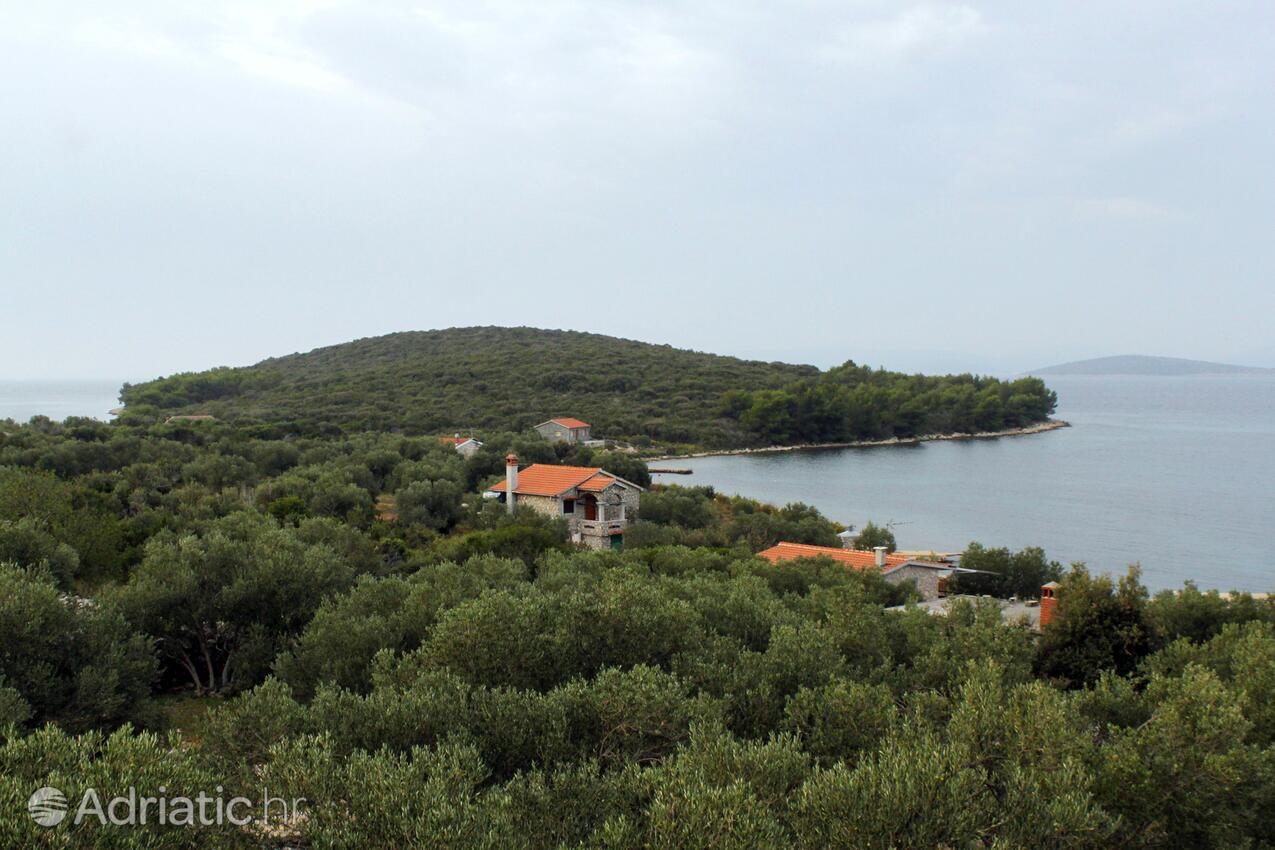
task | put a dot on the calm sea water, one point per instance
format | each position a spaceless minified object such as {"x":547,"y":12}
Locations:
{"x":1177,"y":474}
{"x":20,"y":400}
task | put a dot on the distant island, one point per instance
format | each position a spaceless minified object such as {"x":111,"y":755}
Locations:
{"x":1141,"y":364}
{"x":654,"y":397}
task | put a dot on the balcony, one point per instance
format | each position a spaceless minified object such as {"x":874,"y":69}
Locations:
{"x":602,"y":527}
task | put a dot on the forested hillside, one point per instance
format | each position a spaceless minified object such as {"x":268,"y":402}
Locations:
{"x":508,"y":379}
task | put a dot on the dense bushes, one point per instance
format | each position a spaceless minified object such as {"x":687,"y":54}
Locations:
{"x":109,"y":765}
{"x":41,"y":514}
{"x":462,"y":677}
{"x":501,"y":378}
{"x":83,"y":499}
{"x":222,"y":604}
{"x":68,"y":661}
{"x":632,"y":757}
{"x":872,"y":535}
{"x":1101,"y":625}
{"x":857,"y":403}
{"x":696,"y":516}
{"x":491,"y":379}
{"x":704,"y":698}
{"x":1003,"y":573}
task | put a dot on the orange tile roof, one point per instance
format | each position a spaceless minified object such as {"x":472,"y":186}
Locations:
{"x":545,"y":479}
{"x":571,"y":423}
{"x":599,"y":482}
{"x":454,"y":441}
{"x":850,"y":557}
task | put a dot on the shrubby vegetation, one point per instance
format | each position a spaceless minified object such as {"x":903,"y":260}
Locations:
{"x":872,"y":535}
{"x":855,"y":402}
{"x":426,"y":670}
{"x":697,"y":516}
{"x":1006,"y":574}
{"x":497,"y":378}
{"x":73,"y":662}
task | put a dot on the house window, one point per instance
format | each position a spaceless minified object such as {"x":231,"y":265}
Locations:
{"x":568,"y":506}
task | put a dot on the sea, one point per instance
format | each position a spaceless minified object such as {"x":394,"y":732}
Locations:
{"x":20,"y":400}
{"x":1175,"y":474}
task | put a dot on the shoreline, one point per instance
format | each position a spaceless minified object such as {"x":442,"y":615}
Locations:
{"x":1039,"y":428}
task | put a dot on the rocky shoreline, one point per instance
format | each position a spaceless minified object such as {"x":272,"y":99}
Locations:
{"x":1040,"y":428}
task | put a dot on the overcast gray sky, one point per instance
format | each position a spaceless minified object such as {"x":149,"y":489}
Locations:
{"x":927,"y":186}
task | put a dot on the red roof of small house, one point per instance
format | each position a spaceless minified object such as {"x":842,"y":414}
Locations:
{"x":454,"y":441}
{"x":599,"y":482}
{"x":546,"y":479}
{"x":571,"y":423}
{"x":850,"y":557}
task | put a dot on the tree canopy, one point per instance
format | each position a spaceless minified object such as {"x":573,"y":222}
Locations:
{"x":514,"y":378}
{"x":342,"y":618}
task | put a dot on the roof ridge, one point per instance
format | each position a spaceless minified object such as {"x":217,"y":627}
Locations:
{"x":551,"y":479}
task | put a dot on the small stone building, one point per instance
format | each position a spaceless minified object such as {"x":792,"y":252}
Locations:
{"x":466,"y":447}
{"x":564,"y":430}
{"x":597,"y":505}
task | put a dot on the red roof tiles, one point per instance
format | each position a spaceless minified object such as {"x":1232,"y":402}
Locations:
{"x":850,"y":557}
{"x":544,"y":479}
{"x":571,"y":423}
{"x":599,"y":482}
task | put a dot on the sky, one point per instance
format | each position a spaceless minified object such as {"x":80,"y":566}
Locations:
{"x":925,"y":186}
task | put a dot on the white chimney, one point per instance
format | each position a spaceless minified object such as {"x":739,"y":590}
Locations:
{"x":880,"y":553}
{"x":511,"y":480}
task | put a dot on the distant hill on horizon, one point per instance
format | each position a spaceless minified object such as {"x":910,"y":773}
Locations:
{"x":1141,"y":364}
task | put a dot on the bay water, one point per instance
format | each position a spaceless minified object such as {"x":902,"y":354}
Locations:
{"x":22,"y":399}
{"x":1174,"y":473}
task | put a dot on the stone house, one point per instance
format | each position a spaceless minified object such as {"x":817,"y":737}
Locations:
{"x":565,"y":430}
{"x":466,"y":447}
{"x":597,"y":505}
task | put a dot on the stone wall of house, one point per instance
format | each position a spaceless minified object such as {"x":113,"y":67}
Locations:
{"x":596,"y":541}
{"x":608,"y":509}
{"x":925,"y":578}
{"x":610,"y":500}
{"x":558,"y":433}
{"x":547,"y":505}
{"x":554,"y":432}
{"x":632,"y":501}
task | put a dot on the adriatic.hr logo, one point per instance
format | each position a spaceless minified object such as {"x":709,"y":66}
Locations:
{"x":47,"y":806}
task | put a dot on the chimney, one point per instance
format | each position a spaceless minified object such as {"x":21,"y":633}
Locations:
{"x":1048,"y":601}
{"x":511,"y":480}
{"x":879,"y":551}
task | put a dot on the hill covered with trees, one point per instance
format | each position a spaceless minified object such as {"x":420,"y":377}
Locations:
{"x":508,"y":379}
